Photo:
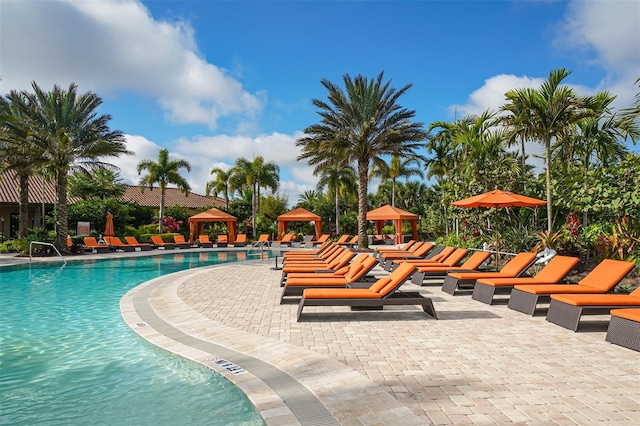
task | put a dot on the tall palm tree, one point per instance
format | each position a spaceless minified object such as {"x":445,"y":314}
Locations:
{"x":221,"y":184}
{"x":397,"y":168}
{"x":164,"y":172}
{"x":18,"y":153}
{"x":255,"y":175}
{"x":550,"y":113}
{"x":597,"y":139}
{"x":65,"y":127}
{"x":338,"y":181}
{"x":357,"y":125}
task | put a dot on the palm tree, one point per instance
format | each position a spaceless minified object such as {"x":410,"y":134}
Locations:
{"x":221,"y":184}
{"x":163,"y":172}
{"x":397,"y":168}
{"x":99,"y":183}
{"x":65,"y":127}
{"x":255,"y":175}
{"x":338,"y":181}
{"x":598,"y":138}
{"x":358,"y":126}
{"x":550,"y":113}
{"x":18,"y":154}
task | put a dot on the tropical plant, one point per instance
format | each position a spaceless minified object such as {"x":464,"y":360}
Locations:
{"x":221,"y":184}
{"x":65,"y":128}
{"x":358,"y":125}
{"x":339,"y":181}
{"x":397,"y":168}
{"x":163,"y":172}
{"x":549,"y":114}
{"x":99,"y":183}
{"x":252,"y":176}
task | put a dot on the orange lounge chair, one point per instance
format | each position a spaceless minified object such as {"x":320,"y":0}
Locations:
{"x":451,"y":260}
{"x":117,"y":244}
{"x":352,"y":242}
{"x":566,"y":310}
{"x":525,"y":298}
{"x":355,"y":272}
{"x":486,"y":288}
{"x":343,"y":239}
{"x":333,"y":265}
{"x":222,"y":240}
{"x":327,"y":257}
{"x":309,"y":256}
{"x":159,"y":243}
{"x":404,"y":247}
{"x":287,"y":239}
{"x":381,"y":293}
{"x":263,"y":240}
{"x":134,"y":242}
{"x":466,"y":280}
{"x":624,"y":328}
{"x":204,"y":241}
{"x":470,"y":265}
{"x":181,"y":242}
{"x":420,"y":252}
{"x":323,"y":238}
{"x":240,"y":241}
{"x":309,"y":253}
{"x":90,"y":243}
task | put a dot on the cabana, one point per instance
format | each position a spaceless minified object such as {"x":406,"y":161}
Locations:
{"x":212,"y":215}
{"x":385,"y":213}
{"x":298,"y":215}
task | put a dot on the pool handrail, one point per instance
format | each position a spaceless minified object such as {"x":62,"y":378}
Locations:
{"x":46,"y":244}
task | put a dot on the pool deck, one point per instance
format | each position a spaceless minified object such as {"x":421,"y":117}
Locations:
{"x":476,"y":364}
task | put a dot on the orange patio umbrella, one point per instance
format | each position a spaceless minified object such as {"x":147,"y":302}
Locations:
{"x":108,"y":229}
{"x":496,"y":199}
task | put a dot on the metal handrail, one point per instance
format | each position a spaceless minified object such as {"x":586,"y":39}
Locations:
{"x":45,"y":244}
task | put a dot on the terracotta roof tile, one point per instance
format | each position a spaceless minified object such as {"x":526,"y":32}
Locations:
{"x":10,"y":194}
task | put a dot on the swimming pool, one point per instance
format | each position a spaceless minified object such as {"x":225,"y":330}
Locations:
{"x":67,"y":357}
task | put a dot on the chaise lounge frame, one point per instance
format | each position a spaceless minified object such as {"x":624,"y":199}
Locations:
{"x":624,"y":332}
{"x":569,"y":316}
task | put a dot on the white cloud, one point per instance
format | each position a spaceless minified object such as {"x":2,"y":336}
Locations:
{"x":115,"y":46}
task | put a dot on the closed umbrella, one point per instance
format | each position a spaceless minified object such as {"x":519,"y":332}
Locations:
{"x":496,"y":199}
{"x":108,"y":229}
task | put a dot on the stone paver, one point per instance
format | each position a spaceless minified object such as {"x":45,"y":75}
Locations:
{"x":477,"y":364}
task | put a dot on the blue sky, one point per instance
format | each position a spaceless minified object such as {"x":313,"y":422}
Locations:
{"x":215,"y":80}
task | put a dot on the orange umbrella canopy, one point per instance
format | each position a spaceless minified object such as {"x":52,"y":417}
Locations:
{"x":298,"y":215}
{"x":108,"y":229}
{"x":212,"y":215}
{"x":496,"y":199}
{"x":384,"y":213}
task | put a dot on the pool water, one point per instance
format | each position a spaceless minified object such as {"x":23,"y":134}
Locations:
{"x":67,"y":357}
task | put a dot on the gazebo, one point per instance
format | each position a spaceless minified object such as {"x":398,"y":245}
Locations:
{"x":298,"y":215}
{"x":212,"y":215}
{"x":385,"y":213}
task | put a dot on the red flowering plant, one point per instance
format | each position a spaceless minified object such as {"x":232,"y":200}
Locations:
{"x":171,"y":225}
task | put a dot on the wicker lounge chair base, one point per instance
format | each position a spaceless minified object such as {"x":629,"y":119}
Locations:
{"x":96,"y":249}
{"x":399,"y":298}
{"x":527,"y":303}
{"x":623,"y":331}
{"x":486,"y":293}
{"x":568,"y":316}
{"x":453,"y":285}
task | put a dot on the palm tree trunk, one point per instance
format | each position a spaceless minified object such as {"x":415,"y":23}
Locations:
{"x":524,"y":166}
{"x":547,"y":161}
{"x":226,"y":198}
{"x":363,"y":179}
{"x":585,"y":186}
{"x":393,"y":192}
{"x":253,"y":210}
{"x":161,"y":218}
{"x":337,"y":213}
{"x":23,"y":228}
{"x":62,"y":227}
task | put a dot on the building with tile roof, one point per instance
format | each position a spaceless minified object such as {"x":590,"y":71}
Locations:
{"x":42,"y":198}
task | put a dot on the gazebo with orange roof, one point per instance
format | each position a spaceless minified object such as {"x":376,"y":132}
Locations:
{"x":212,"y":215}
{"x":385,"y":213}
{"x":298,"y":215}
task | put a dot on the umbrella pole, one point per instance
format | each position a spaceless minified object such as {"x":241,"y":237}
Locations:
{"x":497,"y":248}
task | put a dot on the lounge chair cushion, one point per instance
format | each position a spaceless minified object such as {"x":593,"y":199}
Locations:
{"x":630,"y":314}
{"x":380,"y":284}
{"x":607,"y":271}
{"x":632,"y":299}
{"x":340,"y":293}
